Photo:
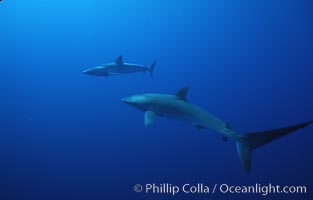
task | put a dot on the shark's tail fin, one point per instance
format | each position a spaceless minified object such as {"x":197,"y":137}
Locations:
{"x":152,"y":66}
{"x":246,"y":143}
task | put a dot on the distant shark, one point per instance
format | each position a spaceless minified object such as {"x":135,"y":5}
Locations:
{"x":119,"y":67}
{"x":177,"y":107}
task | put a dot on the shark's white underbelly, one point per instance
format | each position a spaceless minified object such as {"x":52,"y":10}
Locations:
{"x":188,"y":112}
{"x":123,"y":69}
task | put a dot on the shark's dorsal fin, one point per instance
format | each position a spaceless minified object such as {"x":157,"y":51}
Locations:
{"x":149,"y":117}
{"x":119,"y":60}
{"x":182,"y":93}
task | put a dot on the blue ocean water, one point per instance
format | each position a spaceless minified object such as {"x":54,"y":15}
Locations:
{"x":66,"y":135}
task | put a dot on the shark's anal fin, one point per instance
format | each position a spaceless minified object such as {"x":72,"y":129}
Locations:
{"x":119,"y":60}
{"x":199,"y":126}
{"x":182,"y":93}
{"x":225,"y":138}
{"x":149,"y":117}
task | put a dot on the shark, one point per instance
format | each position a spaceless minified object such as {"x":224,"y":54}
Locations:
{"x":119,"y":67}
{"x":177,"y":107}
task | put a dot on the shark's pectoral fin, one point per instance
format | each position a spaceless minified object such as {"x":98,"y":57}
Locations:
{"x":199,"y":126}
{"x":149,"y":117}
{"x":182,"y":93}
{"x":119,"y":60}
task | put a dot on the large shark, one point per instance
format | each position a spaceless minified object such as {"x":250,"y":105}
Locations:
{"x":119,"y":67}
{"x":177,"y":107}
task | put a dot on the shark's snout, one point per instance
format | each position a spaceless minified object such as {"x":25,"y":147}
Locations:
{"x":87,"y":71}
{"x":126,"y":100}
{"x":96,"y":71}
{"x":136,"y":101}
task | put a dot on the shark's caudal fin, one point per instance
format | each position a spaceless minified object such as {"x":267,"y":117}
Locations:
{"x":246,"y":143}
{"x":152,"y":68}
